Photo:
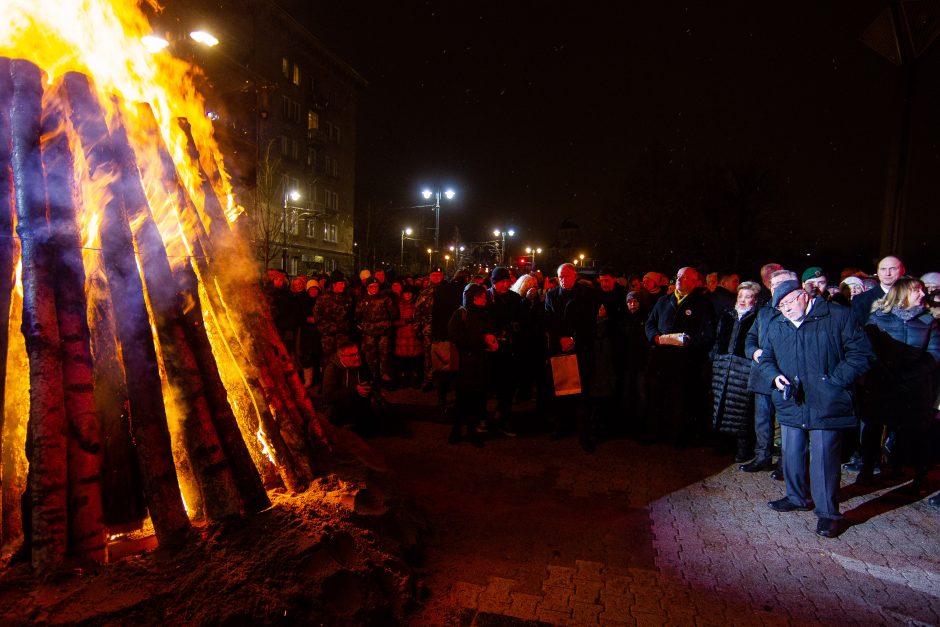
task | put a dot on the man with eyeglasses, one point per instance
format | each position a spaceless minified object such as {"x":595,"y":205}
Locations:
{"x":813,"y":354}
{"x":347,"y":390}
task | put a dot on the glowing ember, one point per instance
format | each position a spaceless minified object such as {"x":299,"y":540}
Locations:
{"x":265,"y":450}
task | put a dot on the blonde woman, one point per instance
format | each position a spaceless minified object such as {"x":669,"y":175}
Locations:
{"x":898,"y":391}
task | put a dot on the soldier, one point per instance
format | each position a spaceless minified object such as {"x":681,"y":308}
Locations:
{"x":333,"y":311}
{"x":424,"y":308}
{"x":375,"y":313}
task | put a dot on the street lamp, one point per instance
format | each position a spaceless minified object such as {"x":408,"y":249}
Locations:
{"x":449,"y":194}
{"x":533,"y":252}
{"x":502,"y":248}
{"x":430,"y":252}
{"x":405,"y":231}
{"x":446,"y":262}
{"x":288,"y":195}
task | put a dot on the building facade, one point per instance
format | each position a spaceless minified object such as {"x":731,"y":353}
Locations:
{"x":284,"y":108}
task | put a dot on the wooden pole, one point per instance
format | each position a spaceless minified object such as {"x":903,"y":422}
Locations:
{"x":87,"y":534}
{"x":294,"y":477}
{"x":7,"y":247}
{"x":208,"y":456}
{"x":47,"y":444}
{"x":148,"y":414}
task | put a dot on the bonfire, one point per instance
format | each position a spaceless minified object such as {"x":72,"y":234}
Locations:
{"x":144,"y":381}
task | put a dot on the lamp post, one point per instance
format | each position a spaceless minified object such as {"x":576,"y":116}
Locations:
{"x":288,"y":195}
{"x":430,"y":252}
{"x":405,"y":231}
{"x":502,"y":248}
{"x":449,"y":194}
{"x":533,"y":252}
{"x":446,"y":262}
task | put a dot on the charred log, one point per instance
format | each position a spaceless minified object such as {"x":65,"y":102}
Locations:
{"x":246,"y":475}
{"x":47,"y":440}
{"x":7,"y":250}
{"x":132,"y":323}
{"x":87,"y":535}
{"x":210,"y":463}
{"x":294,"y":478}
{"x":122,"y":487}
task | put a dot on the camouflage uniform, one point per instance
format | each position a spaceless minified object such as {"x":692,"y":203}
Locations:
{"x":374,"y":315}
{"x":423,"y":310}
{"x":332,"y":313}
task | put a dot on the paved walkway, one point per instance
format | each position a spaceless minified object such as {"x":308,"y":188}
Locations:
{"x":529,"y":531}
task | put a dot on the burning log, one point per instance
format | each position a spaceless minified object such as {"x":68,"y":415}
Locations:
{"x":294,"y":478}
{"x":133,"y":330}
{"x":7,"y":250}
{"x":217,"y":422}
{"x":122,"y":490}
{"x":47,"y":443}
{"x":87,"y":535}
{"x":246,"y":475}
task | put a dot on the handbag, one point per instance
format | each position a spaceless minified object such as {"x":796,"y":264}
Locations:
{"x":444,"y":357}
{"x":565,"y":375}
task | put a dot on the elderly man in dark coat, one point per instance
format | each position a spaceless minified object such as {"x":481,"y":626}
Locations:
{"x":570,"y":318}
{"x":813,"y":354}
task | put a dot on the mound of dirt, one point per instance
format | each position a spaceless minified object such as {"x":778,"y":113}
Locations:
{"x":338,"y":554}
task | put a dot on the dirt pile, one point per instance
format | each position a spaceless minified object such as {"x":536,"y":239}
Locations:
{"x":338,"y":554}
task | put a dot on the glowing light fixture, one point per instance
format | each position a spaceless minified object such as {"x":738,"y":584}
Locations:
{"x":204,"y":38}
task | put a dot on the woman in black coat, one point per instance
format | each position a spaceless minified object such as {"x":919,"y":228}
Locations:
{"x":733,"y":402}
{"x":471,"y":330}
{"x":899,"y":389}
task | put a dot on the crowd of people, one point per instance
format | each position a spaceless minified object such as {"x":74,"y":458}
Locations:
{"x":792,"y":365}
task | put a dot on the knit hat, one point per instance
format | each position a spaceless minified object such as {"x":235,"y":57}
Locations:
{"x":812,"y":273}
{"x":785,"y":288}
{"x":313,"y":283}
{"x":499,"y":274}
{"x":853,"y":280}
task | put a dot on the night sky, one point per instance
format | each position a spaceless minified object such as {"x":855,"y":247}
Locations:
{"x":538,"y":111}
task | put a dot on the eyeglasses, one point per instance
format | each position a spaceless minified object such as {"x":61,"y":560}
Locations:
{"x":348,"y":355}
{"x":787,"y":304}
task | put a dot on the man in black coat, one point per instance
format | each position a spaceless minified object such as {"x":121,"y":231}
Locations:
{"x":813,"y":353}
{"x":505,"y":311}
{"x":570,"y":318}
{"x":681,"y":330}
{"x":890,"y":269}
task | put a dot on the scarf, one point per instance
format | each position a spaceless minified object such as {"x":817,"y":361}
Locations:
{"x":907,"y":314}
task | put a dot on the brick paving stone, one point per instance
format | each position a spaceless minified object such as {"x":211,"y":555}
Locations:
{"x":617,"y":607}
{"x":560,"y":576}
{"x":465,"y":594}
{"x":644,"y":619}
{"x":554,"y":617}
{"x":556,"y":599}
{"x":589,"y":570}
{"x":586,"y":590}
{"x":524,"y":606}
{"x":492,"y":604}
{"x":585,"y":613}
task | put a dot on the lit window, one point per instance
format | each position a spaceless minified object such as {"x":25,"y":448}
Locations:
{"x":296,"y":76}
{"x":285,"y":67}
{"x":313,"y":121}
{"x":311,"y":229}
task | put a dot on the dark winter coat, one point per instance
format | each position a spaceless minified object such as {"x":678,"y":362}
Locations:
{"x":900,"y":386}
{"x":765,"y":313}
{"x":636,"y":344}
{"x":722,"y":300}
{"x":466,"y":329}
{"x":828,"y":352}
{"x":573,"y":313}
{"x":344,"y":405}
{"x":862,"y":303}
{"x":733,"y":403}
